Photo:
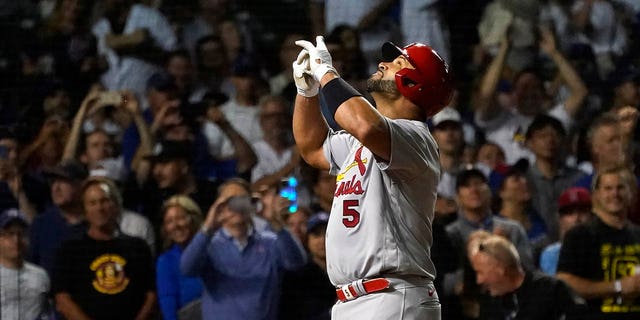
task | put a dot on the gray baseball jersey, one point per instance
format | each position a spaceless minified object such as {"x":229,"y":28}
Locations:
{"x":380,"y":222}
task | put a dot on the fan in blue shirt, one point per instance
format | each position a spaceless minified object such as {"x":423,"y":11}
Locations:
{"x":241,"y":267}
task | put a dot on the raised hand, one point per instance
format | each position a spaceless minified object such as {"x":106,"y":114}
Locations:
{"x":53,"y":127}
{"x":130,"y":103}
{"x":303,"y":77}
{"x":168,"y":115}
{"x":320,"y":61}
{"x":14,"y":182}
{"x":90,"y":98}
{"x":547,"y":41}
{"x":216,"y":116}
{"x":276,"y":212}
{"x":628,"y":116}
{"x":215,"y":217}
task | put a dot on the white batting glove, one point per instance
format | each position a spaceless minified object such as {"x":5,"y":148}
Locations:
{"x":305,"y":83}
{"x":319,"y":57}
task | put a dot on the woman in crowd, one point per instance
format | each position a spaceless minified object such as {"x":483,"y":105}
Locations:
{"x":514,"y":202}
{"x":181,"y":219}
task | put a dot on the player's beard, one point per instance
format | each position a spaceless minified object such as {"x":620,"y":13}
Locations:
{"x":382,"y":86}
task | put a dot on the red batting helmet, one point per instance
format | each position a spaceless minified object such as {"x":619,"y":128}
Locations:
{"x":429,"y":84}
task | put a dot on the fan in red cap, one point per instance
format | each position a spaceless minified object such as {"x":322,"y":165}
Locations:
{"x":574,"y":208}
{"x":574,"y":197}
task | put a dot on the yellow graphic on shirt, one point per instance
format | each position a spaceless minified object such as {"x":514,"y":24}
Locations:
{"x":619,"y":261}
{"x":518,"y":136}
{"x":110,"y":275}
{"x":357,"y":161}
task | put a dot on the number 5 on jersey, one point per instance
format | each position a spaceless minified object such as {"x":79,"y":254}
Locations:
{"x":350,"y":214}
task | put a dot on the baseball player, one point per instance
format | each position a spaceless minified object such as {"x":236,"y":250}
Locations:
{"x":386,"y":165}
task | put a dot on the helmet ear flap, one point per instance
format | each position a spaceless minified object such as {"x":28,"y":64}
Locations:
{"x":407,"y":81}
{"x":431,"y":96}
{"x":409,"y":78}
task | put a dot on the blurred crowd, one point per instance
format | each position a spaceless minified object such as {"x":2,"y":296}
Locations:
{"x":144,"y":145}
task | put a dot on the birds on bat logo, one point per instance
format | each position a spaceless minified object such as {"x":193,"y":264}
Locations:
{"x":352,"y":186}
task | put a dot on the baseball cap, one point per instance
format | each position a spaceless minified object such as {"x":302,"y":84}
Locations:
{"x":245,"y":66}
{"x":627,"y":73}
{"x":162,"y":81}
{"x":446,"y":115}
{"x":498,"y":176}
{"x":214,"y":98}
{"x":579,"y":51}
{"x":71,"y":170}
{"x":170,"y":150}
{"x":543,"y":121}
{"x":317,"y":220}
{"x":12,"y":215}
{"x":573,"y":197}
{"x":504,"y":86}
{"x":465,"y":176}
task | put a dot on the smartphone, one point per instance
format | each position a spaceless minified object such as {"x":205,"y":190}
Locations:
{"x":288,"y":190}
{"x":110,"y":98}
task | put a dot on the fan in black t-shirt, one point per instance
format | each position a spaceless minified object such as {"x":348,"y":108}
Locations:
{"x":598,"y":260}
{"x":103,"y":275}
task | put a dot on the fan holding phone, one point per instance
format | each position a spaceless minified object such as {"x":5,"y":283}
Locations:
{"x":288,"y":190}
